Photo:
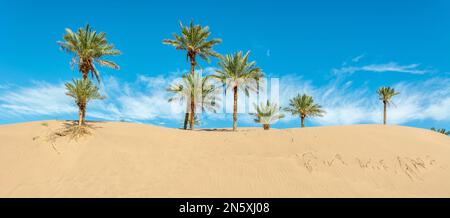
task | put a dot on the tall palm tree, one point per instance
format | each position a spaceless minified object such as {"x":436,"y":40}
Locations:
{"x":237,"y":73}
{"x":267,"y":114}
{"x":385,"y":94}
{"x":442,"y":131}
{"x":88,"y":47}
{"x":304,"y":106}
{"x":194,"y":40}
{"x":197,"y":89}
{"x":83,"y":91}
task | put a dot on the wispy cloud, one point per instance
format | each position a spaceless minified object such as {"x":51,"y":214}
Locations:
{"x":145,"y":99}
{"x":39,"y":99}
{"x":380,"y":68}
{"x":358,"y":58}
{"x":345,"y":104}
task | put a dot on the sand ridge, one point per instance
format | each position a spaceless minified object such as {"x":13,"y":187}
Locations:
{"x":136,"y":160}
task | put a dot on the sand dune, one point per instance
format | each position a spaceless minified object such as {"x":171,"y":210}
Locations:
{"x":134,"y":160}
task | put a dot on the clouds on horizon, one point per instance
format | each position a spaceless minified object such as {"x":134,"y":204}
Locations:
{"x":145,"y":100}
{"x":346,"y":104}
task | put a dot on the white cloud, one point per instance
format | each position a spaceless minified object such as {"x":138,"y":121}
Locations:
{"x":146,"y":99}
{"x":124,"y":101}
{"x":39,"y":99}
{"x":380,"y":68}
{"x":344,"y":104}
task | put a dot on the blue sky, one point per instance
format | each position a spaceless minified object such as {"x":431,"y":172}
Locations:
{"x":338,"y":51}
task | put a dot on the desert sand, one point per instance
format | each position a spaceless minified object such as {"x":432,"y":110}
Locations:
{"x":136,"y":160}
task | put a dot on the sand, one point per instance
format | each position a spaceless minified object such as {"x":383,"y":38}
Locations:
{"x":136,"y":160}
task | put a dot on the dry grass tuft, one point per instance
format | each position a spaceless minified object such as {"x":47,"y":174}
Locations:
{"x":74,"y":132}
{"x":70,"y":130}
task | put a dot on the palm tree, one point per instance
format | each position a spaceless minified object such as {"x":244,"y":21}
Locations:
{"x":267,"y":114}
{"x":304,"y":106}
{"x":237,"y":73}
{"x":194,"y":40}
{"x":82,"y":91}
{"x":197,"y":89}
{"x":385,"y":94}
{"x":442,"y":131}
{"x":88,"y":47}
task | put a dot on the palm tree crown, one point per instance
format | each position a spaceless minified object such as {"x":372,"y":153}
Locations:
{"x":88,"y":48}
{"x":267,"y":114}
{"x":386,"y":93}
{"x":194,"y":40}
{"x":304,"y":106}
{"x":237,"y":73}
{"x":83,"y":91}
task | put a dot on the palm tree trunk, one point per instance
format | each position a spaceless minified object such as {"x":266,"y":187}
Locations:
{"x":80,"y":120}
{"x":82,"y":113}
{"x":193,"y":64}
{"x":303,"y":120}
{"x":266,"y":126}
{"x":384,"y":115}
{"x":83,"y":69}
{"x":192,"y":123}
{"x":186,"y":117}
{"x":235,"y":90}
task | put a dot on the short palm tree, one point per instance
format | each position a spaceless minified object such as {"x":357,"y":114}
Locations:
{"x":197,"y":89}
{"x":194,"y":40}
{"x":237,"y":73}
{"x":442,"y":131}
{"x":83,"y":91}
{"x":88,"y":47}
{"x":267,"y":113}
{"x":385,"y":94}
{"x":304,"y":106}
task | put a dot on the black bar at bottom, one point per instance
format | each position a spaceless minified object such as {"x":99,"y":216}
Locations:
{"x":196,"y":207}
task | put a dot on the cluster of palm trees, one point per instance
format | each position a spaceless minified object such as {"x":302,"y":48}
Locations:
{"x":235,"y":72}
{"x":442,"y":131}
